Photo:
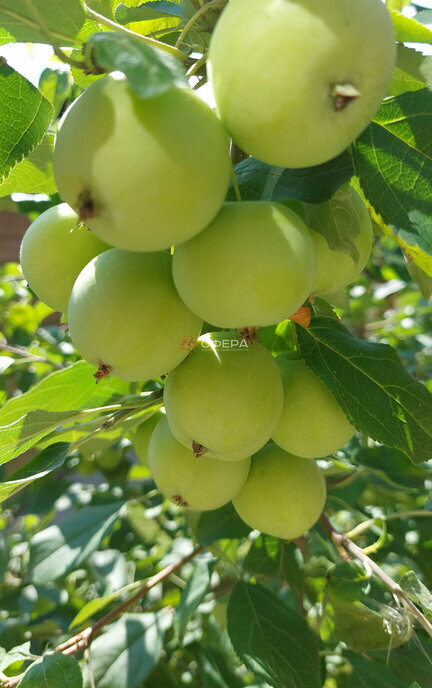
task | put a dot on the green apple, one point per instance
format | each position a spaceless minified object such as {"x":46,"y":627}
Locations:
{"x":54,"y":250}
{"x":126,"y":317}
{"x":200,"y":483}
{"x":254,"y":265}
{"x":342,"y":232}
{"x":296,"y":81}
{"x":142,"y":436}
{"x":283,"y":496}
{"x":145,"y":174}
{"x":312,"y":424}
{"x":225,"y":399}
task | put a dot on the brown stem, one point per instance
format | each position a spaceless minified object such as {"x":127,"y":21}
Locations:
{"x":31,"y":357}
{"x":82,"y":640}
{"x":343,"y":543}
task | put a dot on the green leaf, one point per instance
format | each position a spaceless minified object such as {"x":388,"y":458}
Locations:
{"x":423,"y":280}
{"x":20,"y":653}
{"x":258,"y":181}
{"x":408,"y":30}
{"x":128,"y":651}
{"x":26,"y":115}
{"x":150,"y":72}
{"x":273,"y":641}
{"x":148,"y":11}
{"x":24,"y":19}
{"x":269,"y":556}
{"x":393,"y":467}
{"x":46,"y":461}
{"x":413,"y":71}
{"x":412,"y":662}
{"x":220,"y":523}
{"x":34,"y":174}
{"x":25,"y":432}
{"x":393,"y":160}
{"x":53,"y":669}
{"x":417,"y":592}
{"x":58,"y":549}
{"x":55,"y":84}
{"x":370,"y":384}
{"x":367,"y":673}
{"x":94,"y":606}
{"x":194,"y":592}
{"x":64,"y":390}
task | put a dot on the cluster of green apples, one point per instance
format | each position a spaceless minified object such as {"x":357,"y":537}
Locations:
{"x":145,"y":250}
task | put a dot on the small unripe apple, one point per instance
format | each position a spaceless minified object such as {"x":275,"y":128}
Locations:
{"x":145,"y":174}
{"x":126,"y":317}
{"x":54,"y":250}
{"x":200,"y":483}
{"x":312,"y":422}
{"x":254,"y":265}
{"x":225,"y":399}
{"x":283,"y":496}
{"x":296,"y":81}
{"x":142,"y":436}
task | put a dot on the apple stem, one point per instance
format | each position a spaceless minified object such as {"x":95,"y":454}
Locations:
{"x":343,"y":94}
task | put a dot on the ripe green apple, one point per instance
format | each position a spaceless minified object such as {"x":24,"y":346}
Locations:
{"x":126,"y":317}
{"x":254,"y":265}
{"x":312,"y":423}
{"x":200,"y":483}
{"x":54,"y":250}
{"x":283,"y":496}
{"x":225,"y":399}
{"x":344,"y":219}
{"x":296,"y":81}
{"x":142,"y":436}
{"x":145,"y":174}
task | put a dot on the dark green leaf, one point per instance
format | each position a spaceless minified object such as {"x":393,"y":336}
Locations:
{"x":367,"y":673}
{"x":128,"y":651}
{"x":258,"y":181}
{"x":147,"y":11}
{"x":272,"y":557}
{"x":417,"y":592}
{"x":194,"y":592}
{"x":221,"y":523}
{"x":150,"y":72}
{"x":393,"y":466}
{"x":53,"y":669}
{"x":46,"y":461}
{"x":272,"y":640}
{"x":34,"y":174}
{"x":398,"y":139}
{"x":26,"y":115}
{"x":412,"y":662}
{"x":371,"y":385}
{"x":24,"y":19}
{"x":60,"y":548}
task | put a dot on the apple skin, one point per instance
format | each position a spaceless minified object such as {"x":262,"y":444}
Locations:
{"x":278,"y":104}
{"x":283,"y":496}
{"x":142,"y":436}
{"x":147,"y":173}
{"x":254,"y":265}
{"x":312,"y":424}
{"x":200,"y":483}
{"x":226,"y":399}
{"x":125,"y":313}
{"x":54,"y":250}
{"x":336,"y":269}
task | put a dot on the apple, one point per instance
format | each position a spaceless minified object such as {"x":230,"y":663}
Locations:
{"x":283,"y":495}
{"x":226,"y":398}
{"x":254,"y":265}
{"x":144,"y":174}
{"x":199,"y":483}
{"x":142,"y":436}
{"x":344,"y":219}
{"x":296,"y":81}
{"x":126,"y":317}
{"x":54,"y":250}
{"x":312,"y":423}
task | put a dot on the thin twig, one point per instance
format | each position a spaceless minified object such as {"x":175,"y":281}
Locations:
{"x":82,"y":641}
{"x":30,"y":357}
{"x":214,"y":4}
{"x":342,"y":542}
